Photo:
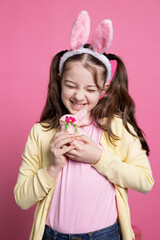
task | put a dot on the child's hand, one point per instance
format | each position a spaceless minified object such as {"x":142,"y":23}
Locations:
{"x":89,"y":152}
{"x":60,"y":144}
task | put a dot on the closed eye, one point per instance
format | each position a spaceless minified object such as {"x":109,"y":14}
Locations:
{"x":69,"y":86}
{"x":91,"y":90}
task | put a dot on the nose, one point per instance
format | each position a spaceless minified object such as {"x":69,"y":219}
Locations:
{"x":78,"y":96}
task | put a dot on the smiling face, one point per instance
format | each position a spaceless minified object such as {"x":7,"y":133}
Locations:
{"x":78,"y":89}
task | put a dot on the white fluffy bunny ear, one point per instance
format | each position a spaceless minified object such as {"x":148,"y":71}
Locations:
{"x":80,"y":30}
{"x":103,"y":36}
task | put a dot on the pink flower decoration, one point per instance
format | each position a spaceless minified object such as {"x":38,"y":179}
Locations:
{"x":70,"y":120}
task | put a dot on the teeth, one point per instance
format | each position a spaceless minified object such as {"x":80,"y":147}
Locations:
{"x":78,"y":105}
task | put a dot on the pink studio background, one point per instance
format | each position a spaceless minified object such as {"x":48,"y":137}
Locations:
{"x":31,"y":33}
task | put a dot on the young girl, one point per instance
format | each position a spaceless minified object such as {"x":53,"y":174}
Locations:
{"x":80,"y":180}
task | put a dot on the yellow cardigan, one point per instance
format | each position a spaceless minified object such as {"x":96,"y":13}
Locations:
{"x":124,"y":164}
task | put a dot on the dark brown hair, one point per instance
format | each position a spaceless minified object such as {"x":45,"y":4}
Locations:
{"x":117,"y":101}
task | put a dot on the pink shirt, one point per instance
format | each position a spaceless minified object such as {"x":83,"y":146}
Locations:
{"x":83,"y":200}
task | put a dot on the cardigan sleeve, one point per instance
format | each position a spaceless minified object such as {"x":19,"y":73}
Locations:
{"x":33,"y":182}
{"x":128,"y":169}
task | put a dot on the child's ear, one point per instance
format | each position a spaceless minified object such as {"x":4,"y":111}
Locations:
{"x":103,"y":93}
{"x":106,"y":86}
{"x":59,"y":76}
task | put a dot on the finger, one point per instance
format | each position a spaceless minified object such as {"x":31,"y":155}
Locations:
{"x":64,"y":141}
{"x":82,"y":138}
{"x":59,"y":135}
{"x":71,"y":156}
{"x":66,"y":149}
{"x":72,"y":152}
{"x":78,"y":145}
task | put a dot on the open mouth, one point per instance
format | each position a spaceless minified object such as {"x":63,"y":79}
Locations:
{"x":78,"y":105}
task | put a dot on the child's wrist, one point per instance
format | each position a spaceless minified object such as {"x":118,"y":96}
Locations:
{"x":96,"y":160}
{"x":53,"y":171}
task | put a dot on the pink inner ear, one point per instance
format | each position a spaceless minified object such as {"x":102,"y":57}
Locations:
{"x":103,"y":36}
{"x":80,"y":30}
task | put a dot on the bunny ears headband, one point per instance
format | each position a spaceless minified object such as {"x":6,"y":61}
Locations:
{"x":101,"y":40}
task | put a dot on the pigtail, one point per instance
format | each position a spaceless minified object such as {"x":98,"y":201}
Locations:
{"x":54,"y":107}
{"x":117,"y":101}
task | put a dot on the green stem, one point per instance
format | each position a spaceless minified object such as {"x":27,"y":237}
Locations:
{"x":66,"y":126}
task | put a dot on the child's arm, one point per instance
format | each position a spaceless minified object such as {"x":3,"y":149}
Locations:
{"x":33,"y":182}
{"x":128,"y":169}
